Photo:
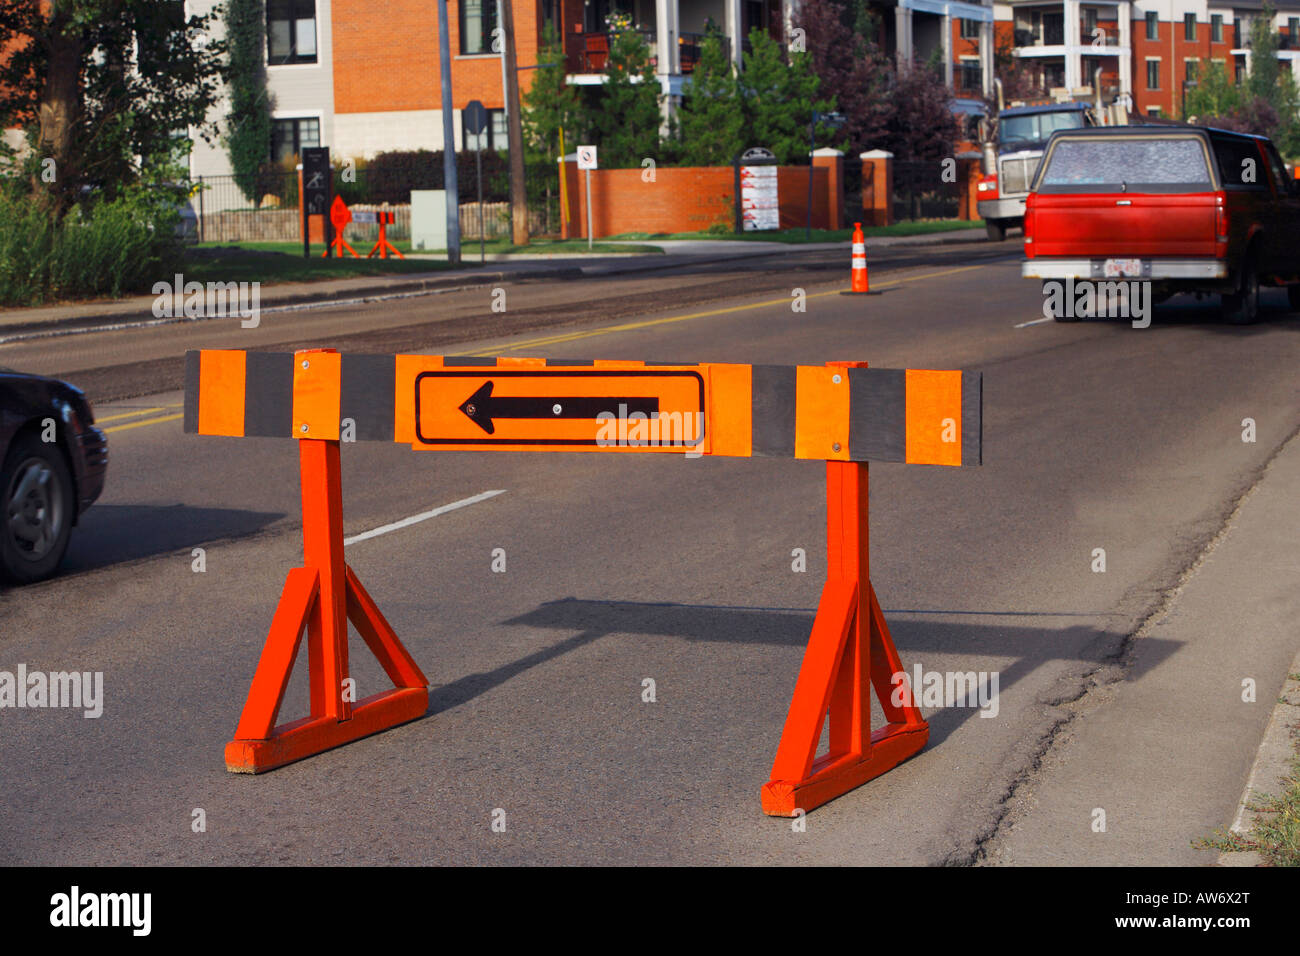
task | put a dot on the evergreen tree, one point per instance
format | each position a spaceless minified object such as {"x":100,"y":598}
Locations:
{"x":549,"y":105}
{"x":248,"y":134}
{"x":711,"y":125}
{"x":625,"y":119}
{"x":779,"y":99}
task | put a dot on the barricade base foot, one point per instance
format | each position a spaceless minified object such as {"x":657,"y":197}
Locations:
{"x":313,"y":735}
{"x":834,"y":776}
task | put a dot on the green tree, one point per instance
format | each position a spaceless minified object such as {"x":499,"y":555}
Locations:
{"x":101,"y":87}
{"x":625,"y":118}
{"x":248,"y":135}
{"x":1214,"y":95}
{"x":779,"y":99}
{"x":710,"y":123}
{"x":550,"y":104}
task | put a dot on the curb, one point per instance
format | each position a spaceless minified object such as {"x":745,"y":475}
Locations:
{"x":399,"y":287}
{"x":1272,"y":764}
{"x":378,"y":290}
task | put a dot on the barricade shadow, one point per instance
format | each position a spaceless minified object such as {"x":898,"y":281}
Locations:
{"x":117,"y":534}
{"x":1028,"y":647}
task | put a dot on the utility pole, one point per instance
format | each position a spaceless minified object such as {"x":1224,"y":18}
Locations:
{"x":515,"y":131}
{"x":448,"y":138}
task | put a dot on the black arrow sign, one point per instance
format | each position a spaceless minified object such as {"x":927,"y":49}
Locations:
{"x":481,"y":408}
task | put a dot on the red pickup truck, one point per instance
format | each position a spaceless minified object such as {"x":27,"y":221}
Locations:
{"x":1187,"y":208}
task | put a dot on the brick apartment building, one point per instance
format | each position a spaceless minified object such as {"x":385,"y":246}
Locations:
{"x":1150,"y":50}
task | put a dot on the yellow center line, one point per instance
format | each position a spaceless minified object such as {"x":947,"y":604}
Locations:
{"x":649,"y":323}
{"x":135,"y":414}
{"x":148,"y":421}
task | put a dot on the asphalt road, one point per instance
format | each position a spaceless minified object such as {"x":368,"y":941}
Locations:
{"x":620,"y":568}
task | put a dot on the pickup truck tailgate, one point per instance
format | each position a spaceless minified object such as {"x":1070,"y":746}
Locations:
{"x":1123,"y":224}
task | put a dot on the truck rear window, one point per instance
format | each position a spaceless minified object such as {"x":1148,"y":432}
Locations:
{"x":1164,"y":164}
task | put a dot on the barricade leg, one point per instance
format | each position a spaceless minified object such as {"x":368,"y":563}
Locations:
{"x":322,"y":596}
{"x":850,"y":651}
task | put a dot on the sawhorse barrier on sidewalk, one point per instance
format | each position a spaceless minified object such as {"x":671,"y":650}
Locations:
{"x":845,"y":414}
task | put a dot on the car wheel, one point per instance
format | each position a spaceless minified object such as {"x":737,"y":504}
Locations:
{"x":996,"y":229}
{"x":1242,"y":306}
{"x":1293,"y":297}
{"x":36,"y":510}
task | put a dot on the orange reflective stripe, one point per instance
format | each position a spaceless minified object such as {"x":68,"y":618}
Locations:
{"x":933,"y":417}
{"x":221,"y":392}
{"x":729,"y":421}
{"x":821,"y":411}
{"x":317,"y":376}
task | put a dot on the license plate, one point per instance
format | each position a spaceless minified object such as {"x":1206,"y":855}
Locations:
{"x":1112,"y":268}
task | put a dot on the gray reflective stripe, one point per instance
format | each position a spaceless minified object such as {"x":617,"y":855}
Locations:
{"x":877,"y":414}
{"x":972,"y":418}
{"x":367,"y":386}
{"x":772,"y":409}
{"x":452,"y":361}
{"x":268,"y":394}
{"x":191,"y":392}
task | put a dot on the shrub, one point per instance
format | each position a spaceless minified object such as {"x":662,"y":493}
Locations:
{"x":102,"y":248}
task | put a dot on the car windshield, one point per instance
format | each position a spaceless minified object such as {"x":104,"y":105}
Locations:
{"x":1037,"y":127}
{"x":1126,"y":164}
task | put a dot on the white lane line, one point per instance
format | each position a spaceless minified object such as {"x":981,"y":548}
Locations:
{"x":424,"y":516}
{"x":1024,"y":325}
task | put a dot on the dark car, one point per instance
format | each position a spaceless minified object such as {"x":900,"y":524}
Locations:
{"x":52,"y":465}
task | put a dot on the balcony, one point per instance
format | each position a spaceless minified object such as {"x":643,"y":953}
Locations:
{"x":589,"y":52}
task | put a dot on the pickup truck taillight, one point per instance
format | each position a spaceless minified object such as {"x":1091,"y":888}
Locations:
{"x":988,"y":186}
{"x":1221,"y":223}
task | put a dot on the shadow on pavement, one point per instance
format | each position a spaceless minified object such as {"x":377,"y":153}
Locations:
{"x":116,"y":534}
{"x":1028,"y":647}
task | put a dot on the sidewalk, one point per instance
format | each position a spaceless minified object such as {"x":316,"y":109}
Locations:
{"x":1167,"y":751}
{"x":16,"y":324}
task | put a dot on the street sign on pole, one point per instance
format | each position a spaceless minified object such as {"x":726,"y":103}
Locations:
{"x":587,"y":161}
{"x":475,"y":123}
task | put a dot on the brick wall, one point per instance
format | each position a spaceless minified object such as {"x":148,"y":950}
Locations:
{"x":386,"y":56}
{"x":683,"y":199}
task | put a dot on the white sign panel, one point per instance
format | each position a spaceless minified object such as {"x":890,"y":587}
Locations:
{"x":760,"y":206}
{"x":364,"y":215}
{"x":586,"y":157}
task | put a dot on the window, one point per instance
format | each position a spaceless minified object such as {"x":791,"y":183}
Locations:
{"x":1239,"y":162}
{"x":290,"y":31}
{"x":1292,"y":31}
{"x":1153,"y":26}
{"x":1162,"y":164}
{"x":478,"y":18}
{"x":970,"y":29}
{"x":971,"y":76}
{"x":1282,"y":182}
{"x":494,"y":136}
{"x":1153,"y":74}
{"x":290,"y":136}
{"x":1191,"y":69}
{"x":1216,"y":28}
{"x":1154,"y":111}
{"x":1189,"y":26}
{"x":1089,"y":22}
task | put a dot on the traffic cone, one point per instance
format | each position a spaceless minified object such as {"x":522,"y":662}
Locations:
{"x":861,"y":283}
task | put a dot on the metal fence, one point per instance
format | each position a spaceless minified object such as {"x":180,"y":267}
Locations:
{"x":921,"y":193}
